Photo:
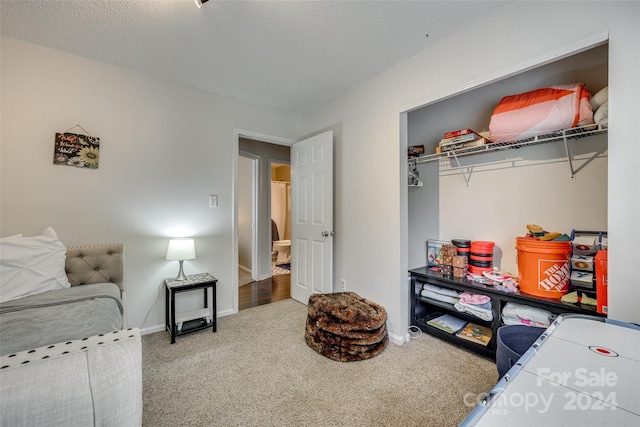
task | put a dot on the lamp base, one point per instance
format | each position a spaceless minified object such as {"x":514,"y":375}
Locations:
{"x":181,"y":275}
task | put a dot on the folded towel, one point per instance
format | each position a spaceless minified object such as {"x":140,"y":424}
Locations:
{"x":441,"y":291}
{"x":476,"y":310}
{"x":474,"y":299}
{"x":517,"y":321}
{"x":444,"y":298}
{"x":531,"y":314}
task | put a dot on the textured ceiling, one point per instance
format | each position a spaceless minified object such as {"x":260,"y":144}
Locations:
{"x":290,"y":55}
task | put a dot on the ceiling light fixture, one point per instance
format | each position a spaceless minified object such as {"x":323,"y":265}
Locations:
{"x":199,"y":3}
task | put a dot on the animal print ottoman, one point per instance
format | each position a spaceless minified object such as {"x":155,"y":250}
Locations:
{"x":346,"y":327}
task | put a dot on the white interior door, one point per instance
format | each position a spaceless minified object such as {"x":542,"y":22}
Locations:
{"x":312,"y":212}
{"x":248,"y":213}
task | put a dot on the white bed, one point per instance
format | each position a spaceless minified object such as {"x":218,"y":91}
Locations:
{"x":66,"y":359}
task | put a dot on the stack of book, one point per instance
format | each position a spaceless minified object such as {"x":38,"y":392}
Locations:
{"x":462,"y":138}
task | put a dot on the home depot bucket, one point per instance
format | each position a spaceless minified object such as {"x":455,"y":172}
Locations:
{"x":543,"y":267}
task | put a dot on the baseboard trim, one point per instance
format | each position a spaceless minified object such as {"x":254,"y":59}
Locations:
{"x":152,"y":329}
{"x":160,"y":328}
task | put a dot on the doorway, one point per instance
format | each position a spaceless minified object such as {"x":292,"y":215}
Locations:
{"x":280,"y":218}
{"x":311,"y":232}
{"x":263,"y":169}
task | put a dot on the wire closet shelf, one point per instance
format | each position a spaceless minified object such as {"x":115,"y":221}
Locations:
{"x":564,"y":134}
{"x":453,"y":156}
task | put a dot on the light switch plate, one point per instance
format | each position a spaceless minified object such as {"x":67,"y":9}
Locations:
{"x":213,"y":201}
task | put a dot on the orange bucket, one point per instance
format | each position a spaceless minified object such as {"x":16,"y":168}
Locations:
{"x":543,"y":267}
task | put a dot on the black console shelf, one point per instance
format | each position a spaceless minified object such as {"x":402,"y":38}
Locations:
{"x":424,"y":309}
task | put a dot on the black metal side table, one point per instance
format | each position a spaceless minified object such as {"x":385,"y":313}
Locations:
{"x":175,"y":321}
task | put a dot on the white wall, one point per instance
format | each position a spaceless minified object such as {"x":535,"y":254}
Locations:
{"x":373,"y":211}
{"x":245,"y":208}
{"x":164,"y":149}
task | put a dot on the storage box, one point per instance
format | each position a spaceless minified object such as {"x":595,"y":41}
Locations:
{"x":585,"y":245}
{"x":434,"y":252}
{"x":582,"y":262}
{"x":582,"y":279}
{"x":458,"y":132}
{"x":415,"y":151}
{"x":602,"y":282}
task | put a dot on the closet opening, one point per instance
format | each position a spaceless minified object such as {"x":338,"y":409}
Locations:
{"x":505,"y":185}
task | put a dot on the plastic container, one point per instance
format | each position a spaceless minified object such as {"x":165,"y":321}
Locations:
{"x":481,"y":254}
{"x":479,"y":270}
{"x":482,"y":247}
{"x":485,"y":264}
{"x":481,"y":258}
{"x":602,"y":281}
{"x":543,"y":267}
{"x":463,"y":247}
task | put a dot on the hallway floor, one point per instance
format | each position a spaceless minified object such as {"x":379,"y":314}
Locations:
{"x":276,"y":288}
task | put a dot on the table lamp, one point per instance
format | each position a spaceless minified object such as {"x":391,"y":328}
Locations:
{"x":180,"y":249}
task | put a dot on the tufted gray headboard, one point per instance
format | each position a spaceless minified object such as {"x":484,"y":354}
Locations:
{"x":95,"y":264}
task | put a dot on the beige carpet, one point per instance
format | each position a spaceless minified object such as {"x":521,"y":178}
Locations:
{"x":257,"y":370}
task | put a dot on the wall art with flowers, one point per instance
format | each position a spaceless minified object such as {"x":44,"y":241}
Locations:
{"x":71,"y":149}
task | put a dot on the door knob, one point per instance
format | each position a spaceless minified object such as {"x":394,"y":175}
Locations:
{"x":327,"y":233}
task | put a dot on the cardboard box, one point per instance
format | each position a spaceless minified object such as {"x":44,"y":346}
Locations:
{"x":415,"y":151}
{"x":459,"y":132}
{"x":602,"y":282}
{"x":460,"y":145}
{"x":434,"y":252}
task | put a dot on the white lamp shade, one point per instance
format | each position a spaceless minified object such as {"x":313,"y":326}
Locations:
{"x":181,"y":249}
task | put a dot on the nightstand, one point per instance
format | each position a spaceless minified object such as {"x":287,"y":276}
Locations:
{"x":175,"y":322}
